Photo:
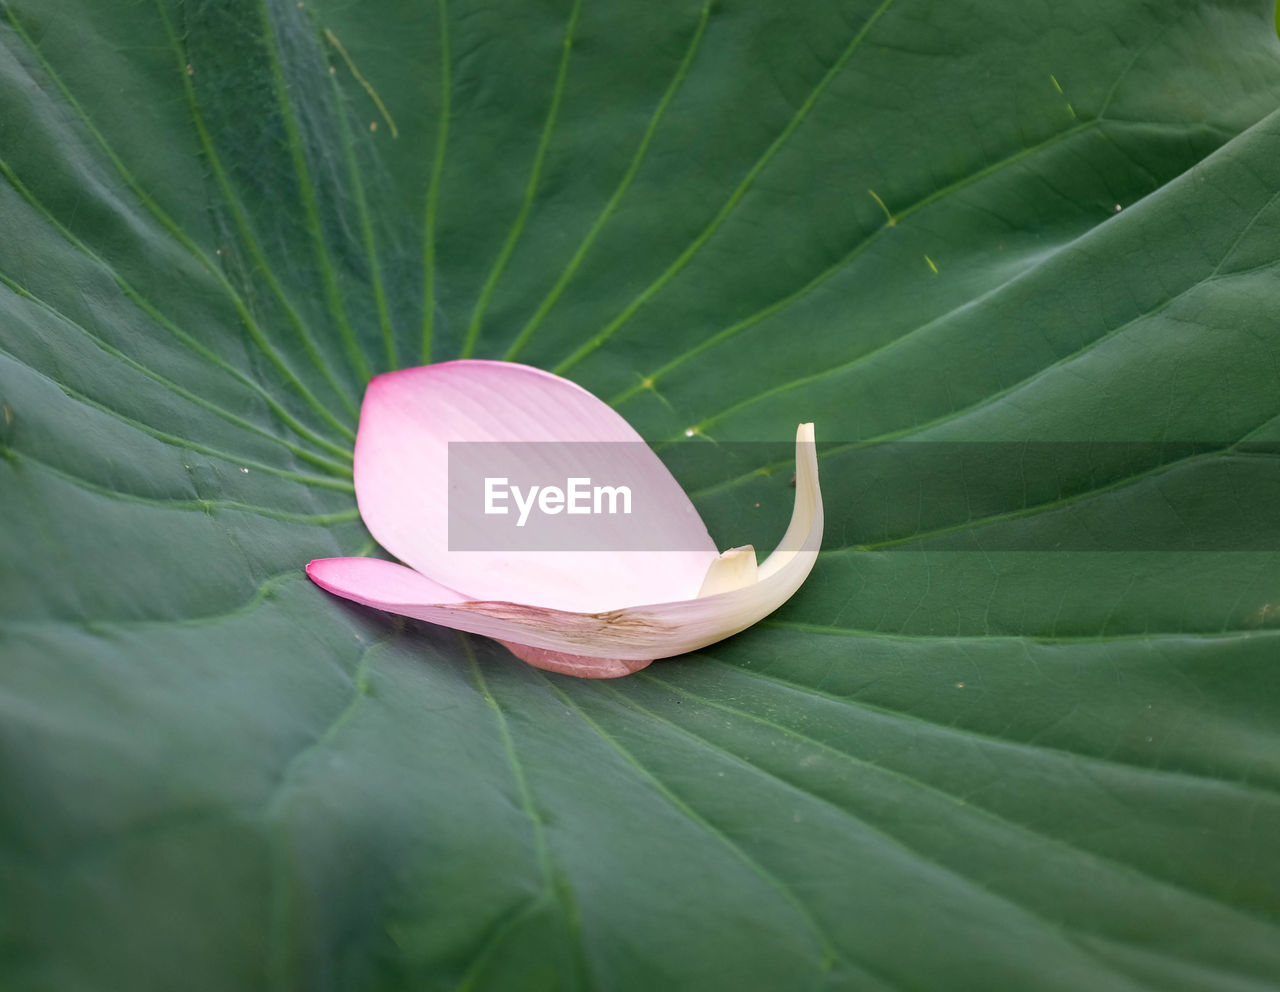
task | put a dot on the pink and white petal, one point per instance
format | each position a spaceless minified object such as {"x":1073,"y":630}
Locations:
{"x":633,"y":634}
{"x":397,"y":589}
{"x":402,"y":481}
{"x":663,"y":630}
{"x":388,"y":586}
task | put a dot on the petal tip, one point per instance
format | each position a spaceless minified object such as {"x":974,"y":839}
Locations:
{"x":316,"y":569}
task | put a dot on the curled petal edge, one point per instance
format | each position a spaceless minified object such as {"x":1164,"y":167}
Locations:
{"x":609,"y":643}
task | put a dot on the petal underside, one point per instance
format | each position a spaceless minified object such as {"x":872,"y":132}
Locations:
{"x":574,"y":664}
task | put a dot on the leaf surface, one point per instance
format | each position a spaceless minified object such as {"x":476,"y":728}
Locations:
{"x":1018,"y":729}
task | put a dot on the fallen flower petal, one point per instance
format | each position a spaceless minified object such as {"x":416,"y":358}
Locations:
{"x":592,"y":614}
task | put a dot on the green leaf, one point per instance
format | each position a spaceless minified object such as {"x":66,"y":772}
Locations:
{"x":1021,"y":733}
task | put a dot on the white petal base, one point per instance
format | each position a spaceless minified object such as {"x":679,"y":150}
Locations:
{"x":575,"y":664}
{"x":735,"y":569}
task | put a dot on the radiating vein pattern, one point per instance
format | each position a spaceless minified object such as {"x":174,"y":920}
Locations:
{"x":1017,"y":730}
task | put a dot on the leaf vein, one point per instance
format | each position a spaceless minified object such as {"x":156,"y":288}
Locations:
{"x":735,"y":198}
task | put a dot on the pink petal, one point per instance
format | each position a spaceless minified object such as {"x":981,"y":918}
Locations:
{"x":402,"y":486}
{"x":603,"y":639}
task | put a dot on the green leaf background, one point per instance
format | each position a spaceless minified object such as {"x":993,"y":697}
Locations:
{"x":949,"y":762}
